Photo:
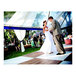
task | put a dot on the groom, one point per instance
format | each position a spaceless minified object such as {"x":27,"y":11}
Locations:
{"x":55,"y":29}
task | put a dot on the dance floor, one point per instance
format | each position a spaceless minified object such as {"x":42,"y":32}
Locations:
{"x":41,"y":58}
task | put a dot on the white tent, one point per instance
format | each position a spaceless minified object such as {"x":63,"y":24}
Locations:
{"x":21,"y":19}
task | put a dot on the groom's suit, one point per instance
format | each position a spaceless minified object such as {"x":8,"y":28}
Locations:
{"x":55,"y":29}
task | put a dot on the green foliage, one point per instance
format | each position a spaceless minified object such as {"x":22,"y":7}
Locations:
{"x":8,"y":14}
{"x":7,"y":36}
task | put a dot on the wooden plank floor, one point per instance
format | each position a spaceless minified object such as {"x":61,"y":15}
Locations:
{"x":41,"y":61}
{"x":34,"y":54}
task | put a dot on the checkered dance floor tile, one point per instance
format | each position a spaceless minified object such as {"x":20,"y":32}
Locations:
{"x":41,"y":58}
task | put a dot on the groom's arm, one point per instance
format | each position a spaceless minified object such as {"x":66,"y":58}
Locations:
{"x":53,"y":26}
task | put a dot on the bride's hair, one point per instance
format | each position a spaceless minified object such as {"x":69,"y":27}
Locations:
{"x":44,"y":22}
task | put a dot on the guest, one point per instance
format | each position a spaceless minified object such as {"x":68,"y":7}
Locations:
{"x":16,"y":44}
{"x":35,"y":40}
{"x":40,"y":39}
{"x":32,"y":42}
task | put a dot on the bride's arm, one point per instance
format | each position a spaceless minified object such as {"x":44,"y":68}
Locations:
{"x":43,"y":29}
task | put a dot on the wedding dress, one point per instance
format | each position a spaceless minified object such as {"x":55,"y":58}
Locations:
{"x":48,"y":45}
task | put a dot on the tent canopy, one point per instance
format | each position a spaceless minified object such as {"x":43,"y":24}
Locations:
{"x":28,"y":19}
{"x":35,"y":19}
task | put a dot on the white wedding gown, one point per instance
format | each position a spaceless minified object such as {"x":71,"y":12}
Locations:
{"x":48,"y":45}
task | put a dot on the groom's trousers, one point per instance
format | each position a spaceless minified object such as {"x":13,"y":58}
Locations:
{"x":58,"y":42}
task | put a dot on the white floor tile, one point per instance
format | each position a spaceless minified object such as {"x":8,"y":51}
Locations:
{"x":17,"y":60}
{"x":54,"y":56}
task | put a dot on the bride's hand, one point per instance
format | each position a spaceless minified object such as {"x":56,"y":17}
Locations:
{"x":46,"y":29}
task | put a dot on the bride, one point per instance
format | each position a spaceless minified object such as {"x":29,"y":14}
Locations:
{"x":48,"y":46}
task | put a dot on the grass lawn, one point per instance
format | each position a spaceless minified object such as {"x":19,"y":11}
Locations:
{"x":13,"y":54}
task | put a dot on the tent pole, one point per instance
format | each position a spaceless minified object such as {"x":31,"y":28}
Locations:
{"x":48,"y":15}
